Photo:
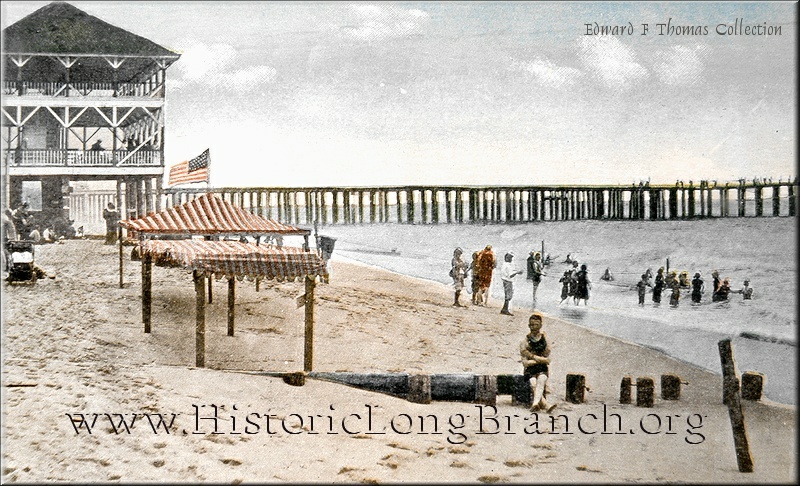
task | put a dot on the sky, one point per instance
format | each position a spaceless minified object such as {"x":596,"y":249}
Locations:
{"x":402,"y":93}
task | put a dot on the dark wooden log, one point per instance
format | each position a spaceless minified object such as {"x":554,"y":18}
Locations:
{"x":505,"y":384}
{"x":395,"y":384}
{"x":752,"y":385}
{"x":670,"y":387}
{"x":625,"y":390}
{"x":576,"y":388}
{"x":454,"y":387}
{"x":297,"y":378}
{"x":645,"y":392}
{"x":732,"y":399}
{"x":419,"y":389}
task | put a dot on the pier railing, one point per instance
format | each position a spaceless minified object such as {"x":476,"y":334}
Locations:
{"x":508,"y":204}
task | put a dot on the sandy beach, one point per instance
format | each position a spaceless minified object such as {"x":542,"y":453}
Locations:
{"x":74,"y":344}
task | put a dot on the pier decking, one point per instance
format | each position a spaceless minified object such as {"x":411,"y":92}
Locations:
{"x":507,"y":204}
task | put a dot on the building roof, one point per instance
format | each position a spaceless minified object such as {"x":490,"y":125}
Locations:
{"x":208,"y":215}
{"x":60,"y":28}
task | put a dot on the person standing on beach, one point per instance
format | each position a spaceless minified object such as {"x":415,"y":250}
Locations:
{"x":641,"y":287}
{"x":486,"y":264}
{"x":458,"y":271}
{"x":697,"y":288}
{"x":583,"y":286}
{"x":473,"y":267}
{"x":112,"y":221}
{"x":658,"y":287}
{"x":535,"y":353}
{"x":507,"y":274}
{"x":535,"y":273}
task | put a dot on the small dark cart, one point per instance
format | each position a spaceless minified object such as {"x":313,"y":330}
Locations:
{"x":20,"y":262}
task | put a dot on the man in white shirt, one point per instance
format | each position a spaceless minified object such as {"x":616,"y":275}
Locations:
{"x":507,"y":274}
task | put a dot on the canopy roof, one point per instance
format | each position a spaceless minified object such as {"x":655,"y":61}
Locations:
{"x":60,"y":28}
{"x":208,"y":215}
{"x":235,"y":259}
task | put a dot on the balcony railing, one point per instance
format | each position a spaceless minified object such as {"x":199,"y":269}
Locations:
{"x":77,"y":90}
{"x":81,"y":158}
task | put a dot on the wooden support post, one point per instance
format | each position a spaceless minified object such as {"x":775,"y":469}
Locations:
{"x":730,"y":391}
{"x":625,"y":390}
{"x":645,"y":392}
{"x":759,"y":192}
{"x":419,"y":389}
{"x":752,"y":385}
{"x":423,"y":202}
{"x":200,"y":320}
{"x":147,"y":272}
{"x":308,"y":354}
{"x":210,"y":294}
{"x":776,"y":200}
{"x":576,"y":386}
{"x":121,"y":263}
{"x":231,"y":301}
{"x":670,"y":387}
{"x":792,"y":201}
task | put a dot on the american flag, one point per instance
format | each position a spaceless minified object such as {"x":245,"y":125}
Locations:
{"x":195,"y":170}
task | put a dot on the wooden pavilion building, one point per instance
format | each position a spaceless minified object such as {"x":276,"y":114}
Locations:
{"x":83,"y":100}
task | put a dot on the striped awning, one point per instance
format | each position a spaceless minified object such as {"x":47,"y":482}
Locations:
{"x":208,"y":215}
{"x":235,"y":259}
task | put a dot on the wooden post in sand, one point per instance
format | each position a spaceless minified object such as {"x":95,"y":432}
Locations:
{"x":730,"y":396}
{"x":670,"y":387}
{"x":200,"y":320}
{"x":119,"y":236}
{"x":752,"y":385}
{"x":147,"y":272}
{"x":308,"y":353}
{"x":625,"y":390}
{"x":231,"y":300}
{"x":645,"y":391}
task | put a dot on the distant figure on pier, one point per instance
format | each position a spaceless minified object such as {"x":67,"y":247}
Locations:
{"x":746,"y":290}
{"x":658,"y":286}
{"x":721,"y":295}
{"x":485,"y":266}
{"x":97,"y":145}
{"x":565,"y":281}
{"x":641,"y":288}
{"x":582,"y":290}
{"x":607,"y":276}
{"x":507,"y":274}
{"x":458,"y":272}
{"x":473,"y":267}
{"x":698,"y":287}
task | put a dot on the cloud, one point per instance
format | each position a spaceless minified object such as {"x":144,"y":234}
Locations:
{"x":215,"y":64}
{"x":611,"y":61}
{"x":385,"y":21}
{"x":548,"y":74}
{"x":679,"y":65}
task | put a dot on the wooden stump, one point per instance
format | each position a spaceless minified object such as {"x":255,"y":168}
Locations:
{"x":419,"y":389}
{"x":752,"y":385}
{"x":576,"y":386}
{"x":522,"y":393}
{"x":670,"y":387}
{"x":625,"y":390}
{"x":645,"y":391}
{"x":486,"y":390}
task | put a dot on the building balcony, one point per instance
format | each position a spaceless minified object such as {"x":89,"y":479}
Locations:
{"x":71,"y":161}
{"x":41,"y":89}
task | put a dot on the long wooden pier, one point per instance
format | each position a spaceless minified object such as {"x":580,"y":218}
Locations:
{"x":507,"y":204}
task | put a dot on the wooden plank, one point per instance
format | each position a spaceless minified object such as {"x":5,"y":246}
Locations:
{"x":308,"y":353}
{"x":730,"y":393}
{"x":200,"y":321}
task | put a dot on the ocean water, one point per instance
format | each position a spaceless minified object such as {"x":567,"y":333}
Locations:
{"x":763,"y":330}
